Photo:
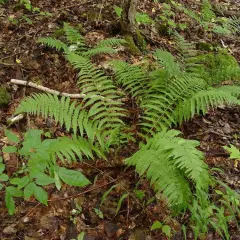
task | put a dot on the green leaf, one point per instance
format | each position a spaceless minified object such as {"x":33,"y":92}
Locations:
{"x":81,"y":236}
{"x":71,"y":177}
{"x":120,"y":202}
{"x":57,"y":181}
{"x":41,"y":195}
{"x":140,"y":194}
{"x":235,"y":153}
{"x":98,"y":212}
{"x":11,"y":136}
{"x":2,"y":167}
{"x":43,"y":179}
{"x":9,"y":149}
{"x":9,"y":203}
{"x":1,"y":159}
{"x":166,"y":229}
{"x":156,"y":225}
{"x":29,"y":190}
{"x":14,"y":191}
{"x":21,"y":182}
{"x":4,"y":177}
{"x":1,"y":186}
{"x":118,"y":11}
{"x":106,"y":194}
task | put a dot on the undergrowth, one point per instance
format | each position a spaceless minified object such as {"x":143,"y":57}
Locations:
{"x":173,"y":91}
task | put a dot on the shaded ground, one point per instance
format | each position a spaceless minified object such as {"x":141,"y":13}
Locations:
{"x":64,"y":218}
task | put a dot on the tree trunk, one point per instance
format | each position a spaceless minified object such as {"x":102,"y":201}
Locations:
{"x":128,"y":21}
{"x":130,"y":28}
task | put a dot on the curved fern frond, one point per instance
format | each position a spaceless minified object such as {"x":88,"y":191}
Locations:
{"x":168,"y":161}
{"x":53,"y":43}
{"x":98,"y":51}
{"x":201,"y":102}
{"x":159,"y":104}
{"x":73,"y":36}
{"x":168,"y":61}
{"x":70,"y":148}
{"x":64,"y":112}
{"x":233,"y":90}
{"x":111,"y":42}
{"x":132,"y":78}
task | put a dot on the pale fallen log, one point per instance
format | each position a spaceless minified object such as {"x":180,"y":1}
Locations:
{"x":45,"y":89}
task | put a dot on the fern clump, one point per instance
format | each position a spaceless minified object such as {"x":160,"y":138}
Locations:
{"x":169,"y":162}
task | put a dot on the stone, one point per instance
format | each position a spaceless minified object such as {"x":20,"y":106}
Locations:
{"x":110,"y":229}
{"x":10,"y":230}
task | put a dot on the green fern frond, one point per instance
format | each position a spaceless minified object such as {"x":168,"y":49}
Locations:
{"x":168,"y":161}
{"x":73,"y":36}
{"x":70,"y":148}
{"x":132,"y":78}
{"x":53,"y":43}
{"x":98,"y":51}
{"x":64,"y":112}
{"x":234,"y":24}
{"x":206,"y":11}
{"x":201,"y":102}
{"x":233,"y":90}
{"x":159,"y":104}
{"x":111,"y":42}
{"x":168,"y":61}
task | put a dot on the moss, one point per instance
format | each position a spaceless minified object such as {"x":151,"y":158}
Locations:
{"x":218,"y":67}
{"x":4,"y":97}
{"x":58,"y":33}
{"x":203,"y":46}
{"x":140,"y":41}
{"x":162,"y":29}
{"x":133,"y":49}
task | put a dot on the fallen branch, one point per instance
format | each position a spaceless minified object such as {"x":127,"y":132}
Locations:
{"x":45,"y":89}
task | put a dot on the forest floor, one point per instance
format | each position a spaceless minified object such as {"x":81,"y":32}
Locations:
{"x":73,"y":210}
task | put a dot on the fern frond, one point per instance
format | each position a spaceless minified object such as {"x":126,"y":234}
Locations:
{"x":201,"y":102}
{"x":233,"y":90}
{"x":111,"y":42}
{"x":53,"y":43}
{"x":69,"y":148}
{"x":159,"y":104}
{"x":64,"y":112}
{"x":73,"y":36}
{"x":98,"y":51}
{"x":132,"y":78}
{"x":234,"y":24}
{"x":168,"y":161}
{"x":168,"y":61}
{"x":206,"y":11}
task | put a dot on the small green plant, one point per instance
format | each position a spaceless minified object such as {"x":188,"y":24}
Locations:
{"x":41,"y":166}
{"x":166,"y":229}
{"x":234,"y":152}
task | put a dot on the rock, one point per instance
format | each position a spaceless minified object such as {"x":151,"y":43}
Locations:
{"x":10,"y":230}
{"x":110,"y":229}
{"x":49,"y":222}
{"x":138,"y":234}
{"x":4,"y":97}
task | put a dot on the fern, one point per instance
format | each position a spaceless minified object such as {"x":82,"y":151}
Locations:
{"x":206,"y":11}
{"x":98,"y":51}
{"x":111,"y":42}
{"x":201,"y":102}
{"x":168,"y":162}
{"x":132,"y":78}
{"x":168,"y":61}
{"x":54,"y":43}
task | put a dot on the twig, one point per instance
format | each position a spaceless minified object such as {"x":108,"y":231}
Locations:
{"x":88,"y":190}
{"x":45,"y":89}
